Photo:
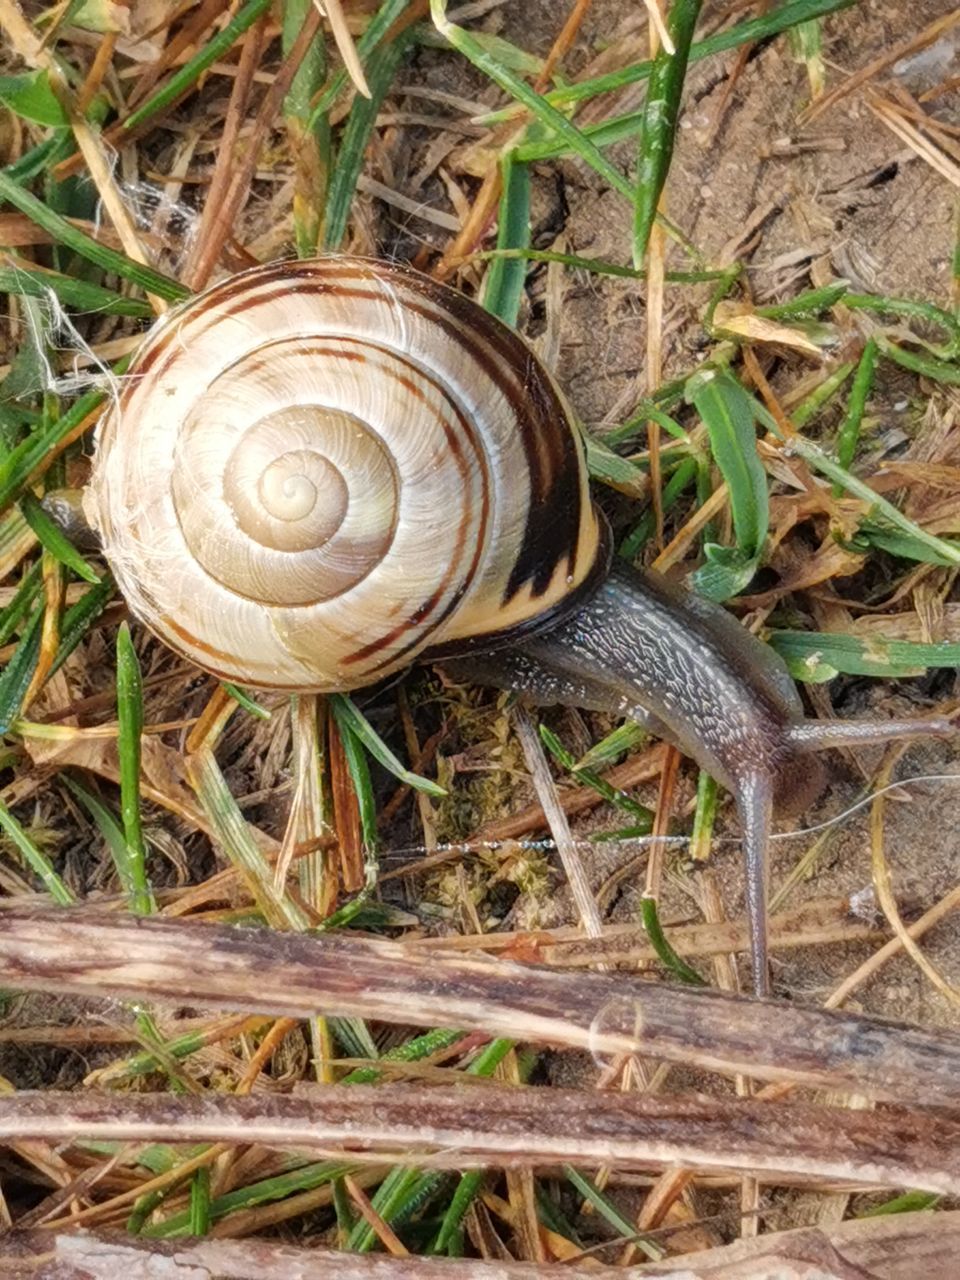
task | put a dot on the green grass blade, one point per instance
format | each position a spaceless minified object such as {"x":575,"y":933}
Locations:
{"x":938,"y":550}
{"x":41,"y":158}
{"x":354,"y":1035}
{"x":200,"y":1203}
{"x":806,"y":305}
{"x":608,"y":750}
{"x":73,"y":238}
{"x":659,"y":126}
{"x":419,"y":1047}
{"x":392,"y":1196}
{"x":877,"y":533}
{"x":359,"y":770}
{"x":79,"y":618}
{"x":505,"y":280}
{"x":143,"y":1063}
{"x":193,"y":69}
{"x":909,"y":1202}
{"x":305,"y":1178}
{"x":266,"y":1191}
{"x":604,"y":134}
{"x":35,"y":858}
{"x":29,"y":459}
{"x":109,"y":828}
{"x":30,"y":96}
{"x":762,"y":28}
{"x":378,"y":26}
{"x":623,"y":1226}
{"x":849,"y":434}
{"x":130,"y":722}
{"x":17,"y":674}
{"x":679,"y":482}
{"x":468,"y":1188}
{"x":817,"y":656}
{"x":810,"y":406}
{"x":729,"y":415}
{"x":928,"y":366}
{"x":406,"y":1189}
{"x":309,"y":133}
{"x":589,"y":778}
{"x":806,"y":45}
{"x":611,"y":469}
{"x":503,"y":51}
{"x":912,"y":310}
{"x":52,"y":539}
{"x":703,"y":816}
{"x":347,"y":714}
{"x":24,"y":596}
{"x":380,"y":71}
{"x":658,"y":940}
{"x":28,"y":280}
{"x":243,"y":698}
{"x":521,"y":92}
{"x":234,"y":837}
{"x":667,"y":397}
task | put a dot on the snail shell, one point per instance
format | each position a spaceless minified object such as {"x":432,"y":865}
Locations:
{"x":316,"y":471}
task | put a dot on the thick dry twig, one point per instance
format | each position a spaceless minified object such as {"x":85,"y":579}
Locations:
{"x":260,"y":971}
{"x":894,"y":1248}
{"x":472,"y":1126}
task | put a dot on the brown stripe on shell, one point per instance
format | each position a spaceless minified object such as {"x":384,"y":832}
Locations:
{"x":194,"y":642}
{"x":553,"y":523}
{"x":552,"y":529}
{"x":229,"y":671}
{"x":424,"y":611}
{"x":209,"y":308}
{"x":455,"y":446}
{"x":491,"y":641}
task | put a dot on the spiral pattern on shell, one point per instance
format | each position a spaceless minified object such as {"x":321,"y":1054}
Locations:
{"x":315,"y":471}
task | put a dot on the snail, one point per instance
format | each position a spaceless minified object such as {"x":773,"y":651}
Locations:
{"x":318,"y":472}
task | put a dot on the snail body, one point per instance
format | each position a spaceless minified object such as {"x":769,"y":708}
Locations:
{"x":318,"y":472}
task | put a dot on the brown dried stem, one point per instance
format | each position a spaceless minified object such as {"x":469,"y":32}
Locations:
{"x":73,"y":951}
{"x":473,"y":1126}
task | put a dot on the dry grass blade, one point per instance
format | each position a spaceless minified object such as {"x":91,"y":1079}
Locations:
{"x":333,"y":11}
{"x":816,"y":923}
{"x":950,"y":902}
{"x":898,"y":123}
{"x":450,"y":1127}
{"x":658,"y":26}
{"x":77,"y":952}
{"x":200,"y":260}
{"x":892,"y":54}
{"x":546,"y":791}
{"x":562,"y":44}
{"x":885,"y":895}
{"x":384,"y":1233}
